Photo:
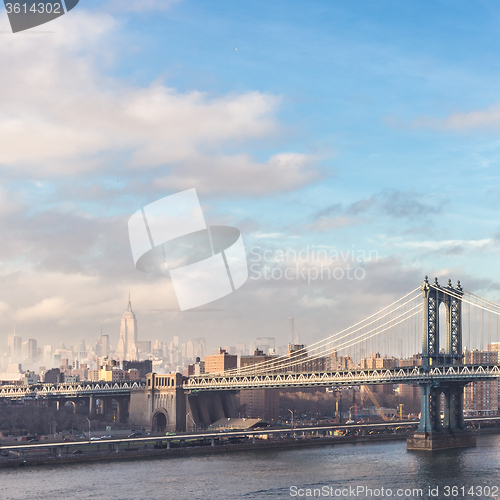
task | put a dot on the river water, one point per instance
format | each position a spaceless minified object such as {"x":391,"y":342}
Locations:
{"x":340,"y":471}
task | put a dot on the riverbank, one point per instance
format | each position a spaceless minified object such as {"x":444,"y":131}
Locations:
{"x":140,"y":453}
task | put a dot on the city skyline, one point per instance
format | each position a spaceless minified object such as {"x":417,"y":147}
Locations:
{"x":267,"y":228}
{"x":341,"y":160}
{"x":128,"y":346}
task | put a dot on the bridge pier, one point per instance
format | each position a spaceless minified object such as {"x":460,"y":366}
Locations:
{"x":91,"y":406}
{"x":121,"y":408}
{"x":434,"y":432}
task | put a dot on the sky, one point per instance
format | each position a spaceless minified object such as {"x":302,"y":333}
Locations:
{"x":364,"y":135}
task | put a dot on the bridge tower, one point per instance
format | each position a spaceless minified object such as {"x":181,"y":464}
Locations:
{"x":436,"y":430}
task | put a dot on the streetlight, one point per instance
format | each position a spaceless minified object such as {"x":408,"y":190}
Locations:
{"x":88,"y":420}
{"x":291,"y":413}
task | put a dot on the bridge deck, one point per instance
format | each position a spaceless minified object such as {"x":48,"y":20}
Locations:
{"x":219,"y":382}
{"x":403,"y":375}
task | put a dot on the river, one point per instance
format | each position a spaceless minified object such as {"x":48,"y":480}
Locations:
{"x":340,"y":471}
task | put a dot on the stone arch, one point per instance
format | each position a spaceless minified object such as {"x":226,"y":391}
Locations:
{"x":160,"y":420}
{"x":70,"y":403}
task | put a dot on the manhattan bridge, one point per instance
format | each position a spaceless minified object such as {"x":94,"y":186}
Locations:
{"x":439,"y":323}
{"x":432,"y":330}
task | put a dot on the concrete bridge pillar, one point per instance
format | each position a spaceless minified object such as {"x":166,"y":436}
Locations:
{"x":92,"y":403}
{"x":107,"y":405}
{"x":121,"y":408}
{"x":55,"y":403}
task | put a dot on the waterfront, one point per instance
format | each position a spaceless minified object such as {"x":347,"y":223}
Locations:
{"x":263,"y":474}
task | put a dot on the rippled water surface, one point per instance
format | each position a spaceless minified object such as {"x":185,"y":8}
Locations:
{"x":267,"y":474}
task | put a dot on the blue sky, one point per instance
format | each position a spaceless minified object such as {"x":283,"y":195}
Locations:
{"x":370,"y":126}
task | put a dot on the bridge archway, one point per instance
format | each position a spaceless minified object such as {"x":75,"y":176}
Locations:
{"x":160,"y":421}
{"x":442,"y":327}
{"x":70,"y":404}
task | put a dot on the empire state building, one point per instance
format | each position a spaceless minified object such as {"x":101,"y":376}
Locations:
{"x":126,"y":348}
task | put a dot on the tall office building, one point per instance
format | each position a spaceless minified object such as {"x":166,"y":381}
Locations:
{"x":81,"y":352}
{"x":494,"y":347}
{"x":14,"y":344}
{"x":105,"y":345}
{"x":241,"y":349}
{"x":195,"y":348}
{"x":127,"y":348}
{"x":47,"y":355}
{"x":220,"y":362}
{"x":266,"y":344}
{"x":481,"y":398}
{"x":29,"y":350}
{"x":190,"y":351}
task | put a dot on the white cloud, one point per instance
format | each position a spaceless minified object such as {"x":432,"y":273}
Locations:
{"x":279,"y":236}
{"x":478,"y":119}
{"x":9,"y":204}
{"x":62,"y":115}
{"x":63,"y":271}
{"x":325,"y":224}
{"x":142,"y":5}
{"x":53,"y":308}
{"x":439,"y":245}
{"x":78,"y":300}
{"x":240,"y":173}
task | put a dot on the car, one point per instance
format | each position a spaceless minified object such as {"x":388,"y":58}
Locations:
{"x":95,"y":438}
{"x":77,"y":452}
{"x":170,"y":434}
{"x":135,"y":434}
{"x":33,"y":440}
{"x":107,"y":436}
{"x":69,"y":439}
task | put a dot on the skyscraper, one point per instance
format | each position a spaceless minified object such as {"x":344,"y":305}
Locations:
{"x":47,"y":354}
{"x":29,"y":350}
{"x":14,"y":343}
{"x":481,"y":397}
{"x":104,"y":345}
{"x":128,"y":335}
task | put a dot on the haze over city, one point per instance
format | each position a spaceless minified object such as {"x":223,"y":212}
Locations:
{"x":249,"y":249}
{"x":305,"y":128}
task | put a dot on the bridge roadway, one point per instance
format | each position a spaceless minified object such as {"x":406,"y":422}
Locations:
{"x":220,"y":382}
{"x":402,"y":375}
{"x":78,"y":389}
